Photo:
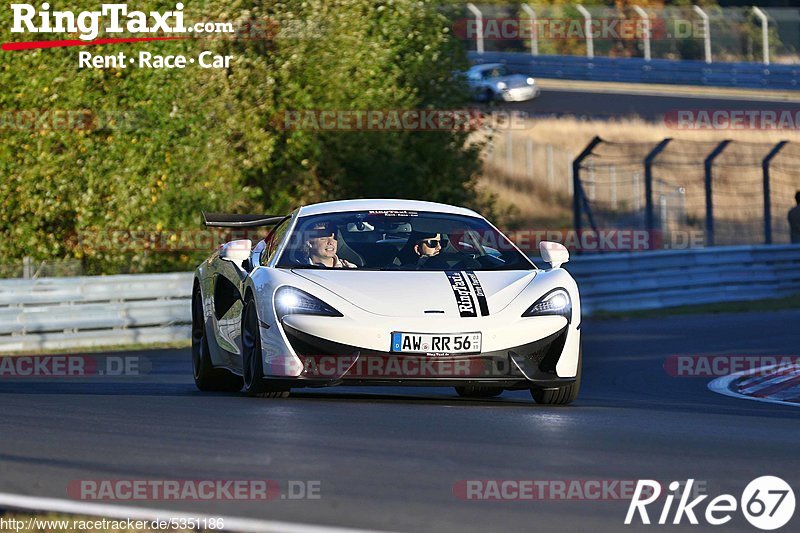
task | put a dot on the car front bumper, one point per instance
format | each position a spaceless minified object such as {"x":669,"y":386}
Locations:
{"x":520,"y":94}
{"x":318,"y":361}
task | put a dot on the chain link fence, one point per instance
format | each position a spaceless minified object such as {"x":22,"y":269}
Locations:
{"x":691,"y":193}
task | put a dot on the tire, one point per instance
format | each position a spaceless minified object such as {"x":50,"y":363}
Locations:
{"x":252,"y":366}
{"x":206,"y":377}
{"x":479,"y":391}
{"x":563,"y":395}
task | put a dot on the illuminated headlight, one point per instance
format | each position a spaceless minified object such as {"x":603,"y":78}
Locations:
{"x":530,"y":81}
{"x":555,"y":302}
{"x":292,"y":301}
{"x":502,"y":85}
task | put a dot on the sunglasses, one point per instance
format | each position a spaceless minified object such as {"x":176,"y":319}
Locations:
{"x":323,"y":235}
{"x":433,"y":243}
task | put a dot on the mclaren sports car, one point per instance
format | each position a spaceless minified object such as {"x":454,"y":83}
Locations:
{"x":383,"y":292}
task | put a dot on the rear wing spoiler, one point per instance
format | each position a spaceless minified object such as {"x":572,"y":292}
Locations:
{"x":226,"y":220}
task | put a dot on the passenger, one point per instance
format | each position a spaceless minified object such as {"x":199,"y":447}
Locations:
{"x":420,"y":247}
{"x":321,"y":246}
{"x":794,"y":220}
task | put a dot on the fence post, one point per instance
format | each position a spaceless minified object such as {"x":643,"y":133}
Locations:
{"x":529,"y":156}
{"x":709,"y":164}
{"x":706,"y":32}
{"x":534,"y":30}
{"x":646,"y":30}
{"x":588,"y":30}
{"x":509,"y":153}
{"x":27,"y":267}
{"x":767,"y":200}
{"x":649,"y":216}
{"x":764,"y":34}
{"x":478,"y":26}
{"x":577,"y":196}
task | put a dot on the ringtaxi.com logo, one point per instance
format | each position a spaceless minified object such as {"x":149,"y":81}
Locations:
{"x":767,"y":503}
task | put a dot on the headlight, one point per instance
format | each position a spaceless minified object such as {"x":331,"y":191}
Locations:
{"x":530,"y":81}
{"x":502,"y":85}
{"x":556,"y":302}
{"x":292,"y":301}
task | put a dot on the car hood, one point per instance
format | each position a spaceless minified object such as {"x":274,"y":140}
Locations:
{"x":423,"y":293}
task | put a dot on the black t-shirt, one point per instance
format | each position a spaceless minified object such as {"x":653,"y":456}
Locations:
{"x":794,"y":223}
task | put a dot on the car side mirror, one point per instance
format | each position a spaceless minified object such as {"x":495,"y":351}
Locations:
{"x":554,"y":253}
{"x":236,"y":251}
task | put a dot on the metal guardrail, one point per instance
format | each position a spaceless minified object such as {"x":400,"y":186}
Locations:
{"x":51,"y":313}
{"x":106,"y":310}
{"x":652,"y":280}
{"x":638,"y":70}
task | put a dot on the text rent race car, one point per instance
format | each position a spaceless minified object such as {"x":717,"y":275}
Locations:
{"x":369,"y":292}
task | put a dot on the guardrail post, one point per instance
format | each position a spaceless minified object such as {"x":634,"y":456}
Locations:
{"x":649,"y":216}
{"x":767,"y":200}
{"x":709,"y":164}
{"x":706,"y":32}
{"x":577,"y":195}
{"x":534,"y":30}
{"x":27,"y":267}
{"x":479,"y":26}
{"x":645,"y":30}
{"x":588,"y":30}
{"x":764,"y":34}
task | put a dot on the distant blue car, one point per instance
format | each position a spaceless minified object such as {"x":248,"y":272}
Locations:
{"x":493,"y":81}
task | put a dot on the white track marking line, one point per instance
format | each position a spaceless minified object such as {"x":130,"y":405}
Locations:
{"x":34,"y":503}
{"x":722,"y":386}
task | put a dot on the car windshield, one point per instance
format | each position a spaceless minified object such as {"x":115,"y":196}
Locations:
{"x":399,"y":240}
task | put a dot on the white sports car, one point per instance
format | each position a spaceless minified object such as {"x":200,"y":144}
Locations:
{"x":384,"y":292}
{"x":493,"y":81}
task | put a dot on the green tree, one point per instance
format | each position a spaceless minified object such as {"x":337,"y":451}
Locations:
{"x":164,"y":144}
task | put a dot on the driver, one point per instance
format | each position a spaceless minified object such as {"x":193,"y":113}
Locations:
{"x":320,"y":248}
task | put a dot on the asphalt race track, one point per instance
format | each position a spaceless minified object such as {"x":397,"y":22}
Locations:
{"x":393,"y":456}
{"x":591,"y":104}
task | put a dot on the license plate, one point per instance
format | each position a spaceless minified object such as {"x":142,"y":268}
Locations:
{"x":438,"y":343}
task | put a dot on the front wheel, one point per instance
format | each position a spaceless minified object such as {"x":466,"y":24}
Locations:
{"x":487,"y":96}
{"x":252,"y":359}
{"x":562,"y":395}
